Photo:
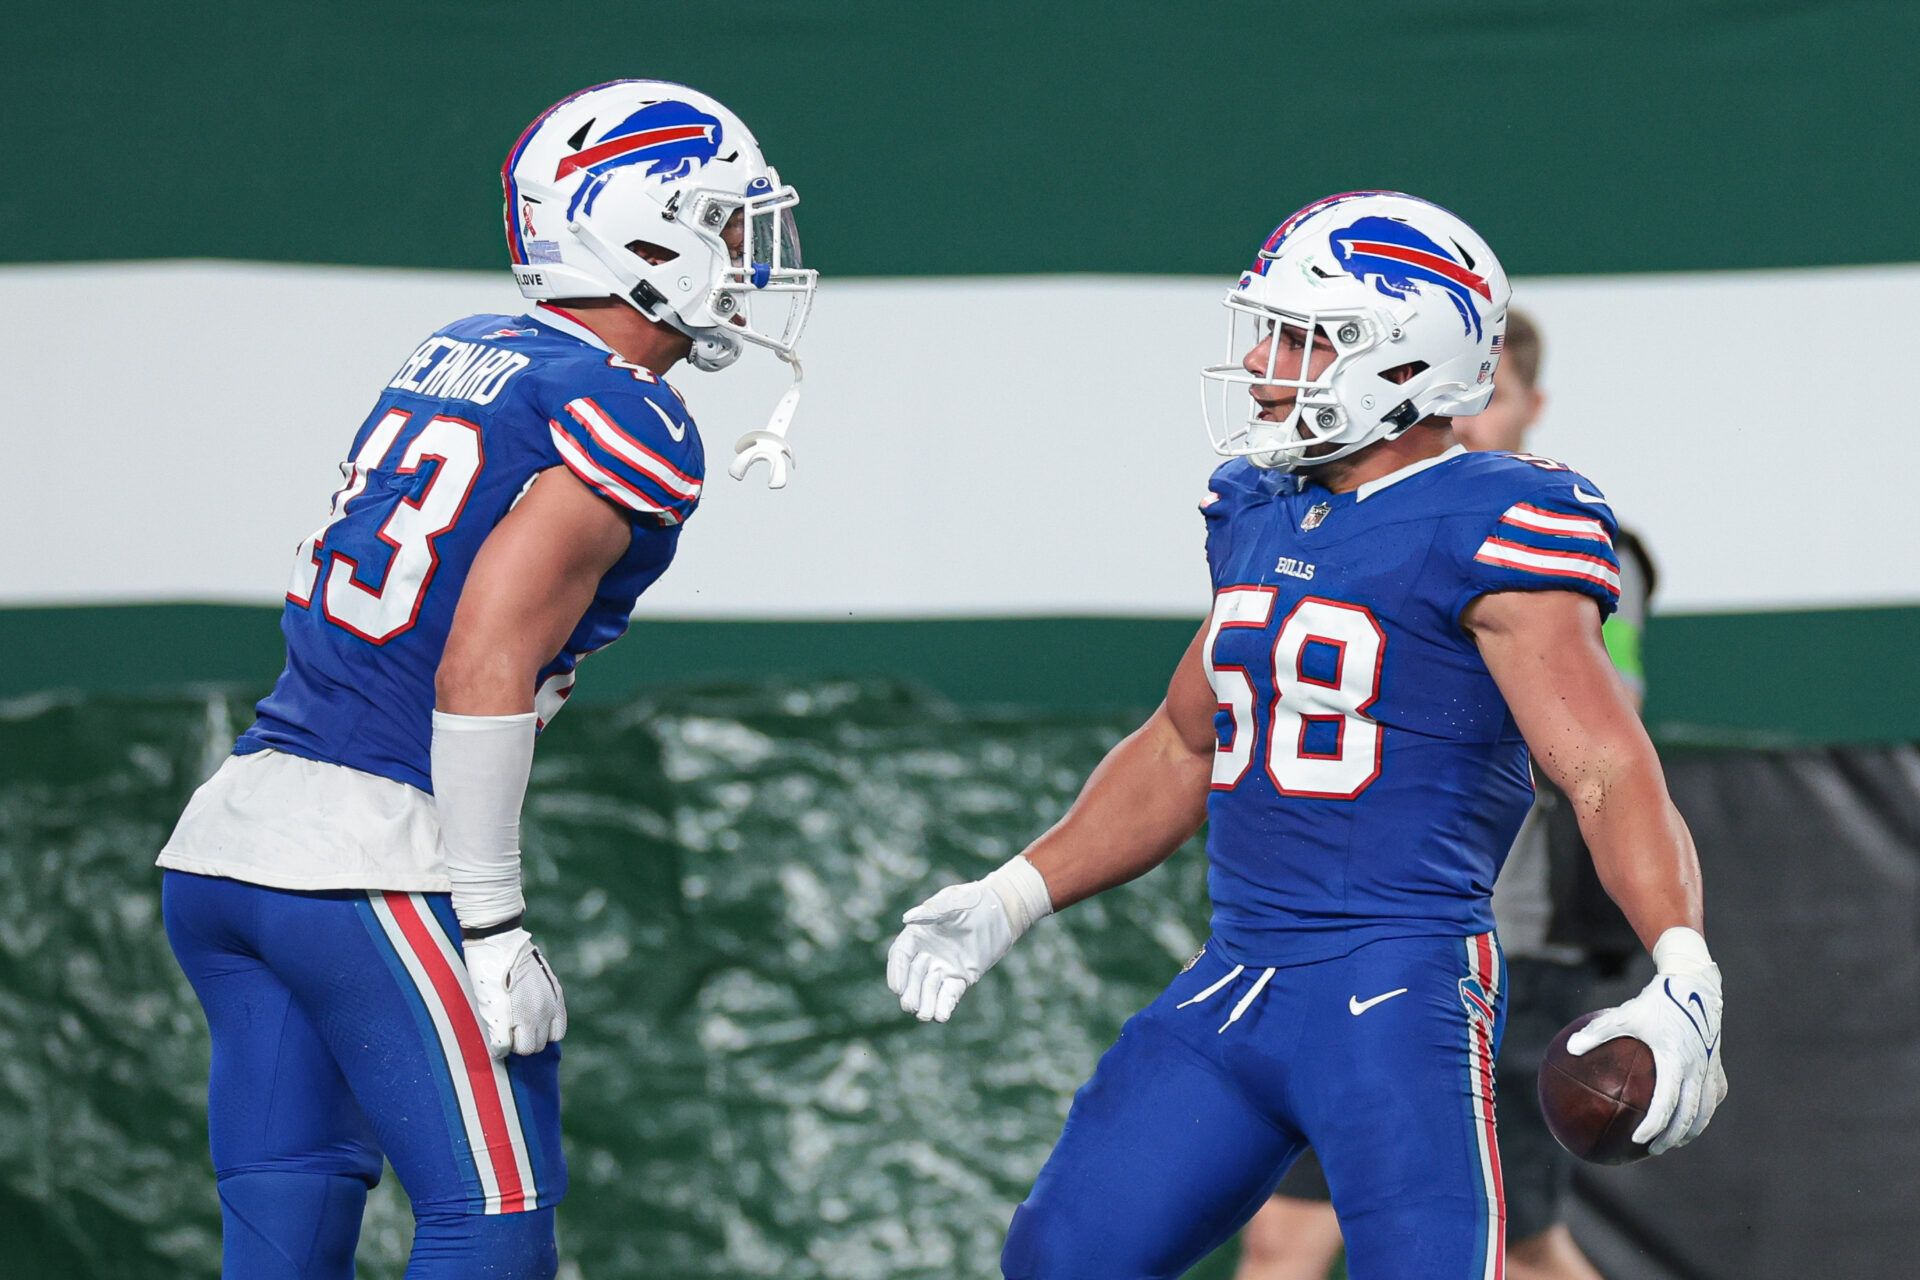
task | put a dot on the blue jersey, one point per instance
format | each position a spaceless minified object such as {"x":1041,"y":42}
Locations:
{"x":473,"y":415}
{"x":1369,"y":777}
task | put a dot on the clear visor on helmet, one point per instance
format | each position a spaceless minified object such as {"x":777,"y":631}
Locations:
{"x":764,"y":294}
{"x":1272,"y":398}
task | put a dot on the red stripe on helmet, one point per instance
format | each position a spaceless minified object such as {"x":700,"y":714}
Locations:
{"x":1431,"y":261}
{"x":615,"y":147}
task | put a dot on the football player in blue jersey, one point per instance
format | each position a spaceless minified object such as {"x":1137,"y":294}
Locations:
{"x":1396,"y":623}
{"x":345,"y":893}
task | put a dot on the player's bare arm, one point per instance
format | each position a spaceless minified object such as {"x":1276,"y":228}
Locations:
{"x":1142,"y":802}
{"x":1545,"y":653}
{"x":534,"y":577}
{"x":1544,"y":650}
{"x":531,"y":583}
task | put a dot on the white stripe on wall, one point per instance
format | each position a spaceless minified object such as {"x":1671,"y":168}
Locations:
{"x":999,"y":445}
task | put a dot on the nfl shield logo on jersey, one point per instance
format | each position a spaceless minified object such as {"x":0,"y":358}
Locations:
{"x":1319,"y":511}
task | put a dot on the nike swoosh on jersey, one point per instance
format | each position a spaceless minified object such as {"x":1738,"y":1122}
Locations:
{"x":1356,"y":1006}
{"x":674,"y":429}
{"x":1584,"y":496}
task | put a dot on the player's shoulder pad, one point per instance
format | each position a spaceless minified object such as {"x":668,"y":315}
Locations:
{"x":1491,"y":482}
{"x":625,"y":433}
{"x":1535,"y":523}
{"x":1235,"y":486}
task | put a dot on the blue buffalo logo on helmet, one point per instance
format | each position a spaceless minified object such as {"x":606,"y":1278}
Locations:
{"x":667,"y":139}
{"x":1474,"y":998}
{"x":1400,"y":258}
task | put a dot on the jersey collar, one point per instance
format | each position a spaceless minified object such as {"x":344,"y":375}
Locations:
{"x":1372,"y":487}
{"x":552,"y":317}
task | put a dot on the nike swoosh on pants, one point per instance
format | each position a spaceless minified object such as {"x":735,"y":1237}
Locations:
{"x":1356,"y":1006}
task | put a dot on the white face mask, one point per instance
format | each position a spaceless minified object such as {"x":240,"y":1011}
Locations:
{"x":1309,"y":416}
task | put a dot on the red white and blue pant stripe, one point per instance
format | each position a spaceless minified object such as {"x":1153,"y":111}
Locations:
{"x":343,"y":1033}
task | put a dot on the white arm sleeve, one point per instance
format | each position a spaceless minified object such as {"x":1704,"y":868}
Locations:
{"x":480,"y":769}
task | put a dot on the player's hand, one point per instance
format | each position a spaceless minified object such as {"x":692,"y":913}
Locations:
{"x":519,"y":1001}
{"x":954,"y":937}
{"x":949,"y":942}
{"x":1677,"y":1016}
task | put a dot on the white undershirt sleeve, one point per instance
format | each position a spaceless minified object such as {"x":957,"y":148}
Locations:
{"x":480,"y":770}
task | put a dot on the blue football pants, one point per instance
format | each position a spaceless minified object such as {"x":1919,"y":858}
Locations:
{"x":1381,"y":1060}
{"x":343,"y":1031}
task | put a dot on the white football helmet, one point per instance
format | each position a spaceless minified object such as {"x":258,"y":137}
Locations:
{"x":626,"y":190}
{"x":1390,"y":281}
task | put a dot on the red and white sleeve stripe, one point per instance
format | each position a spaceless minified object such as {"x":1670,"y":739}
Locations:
{"x":1524,"y":515}
{"x":1563,"y":564}
{"x":603,"y":482}
{"x":608,"y":435}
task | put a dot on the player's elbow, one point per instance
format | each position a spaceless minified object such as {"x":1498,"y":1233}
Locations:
{"x":483,"y":679}
{"x":1607,"y":781}
{"x":1587,"y":793}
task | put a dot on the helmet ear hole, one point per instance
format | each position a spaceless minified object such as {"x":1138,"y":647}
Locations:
{"x":1405,"y":372}
{"x":652,"y":253}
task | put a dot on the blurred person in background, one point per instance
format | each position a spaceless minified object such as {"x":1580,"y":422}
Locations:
{"x":344,"y":894}
{"x":1561,"y":933}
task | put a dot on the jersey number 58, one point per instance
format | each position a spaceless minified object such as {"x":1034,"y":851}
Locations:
{"x":1342,"y":758}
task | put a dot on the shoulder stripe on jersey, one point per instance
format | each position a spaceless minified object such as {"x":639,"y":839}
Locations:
{"x":1565,"y":564}
{"x":600,"y":424}
{"x":602,"y":482}
{"x":1527,"y":516}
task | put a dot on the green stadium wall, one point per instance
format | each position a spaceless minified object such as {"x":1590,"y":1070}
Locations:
{"x":1716,"y":679}
{"x":992,"y":137}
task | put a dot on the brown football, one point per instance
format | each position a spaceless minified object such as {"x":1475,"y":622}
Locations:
{"x":1593,"y":1103}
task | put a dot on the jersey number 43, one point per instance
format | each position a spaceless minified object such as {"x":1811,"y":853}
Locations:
{"x":404,"y":539}
{"x":1324,"y":671}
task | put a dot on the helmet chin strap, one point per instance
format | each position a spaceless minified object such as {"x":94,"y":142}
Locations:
{"x":769,"y":444}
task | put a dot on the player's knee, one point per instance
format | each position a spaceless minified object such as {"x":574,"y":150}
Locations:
{"x":500,"y":1246}
{"x":300,"y":1226}
{"x":1290,"y":1237}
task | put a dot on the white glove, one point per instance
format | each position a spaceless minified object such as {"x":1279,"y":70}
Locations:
{"x":519,"y":1000}
{"x":1677,"y":1016}
{"x":959,"y":933}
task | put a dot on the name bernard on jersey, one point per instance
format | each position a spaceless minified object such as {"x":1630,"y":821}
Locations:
{"x":458,"y":370}
{"x":1292,"y":568}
